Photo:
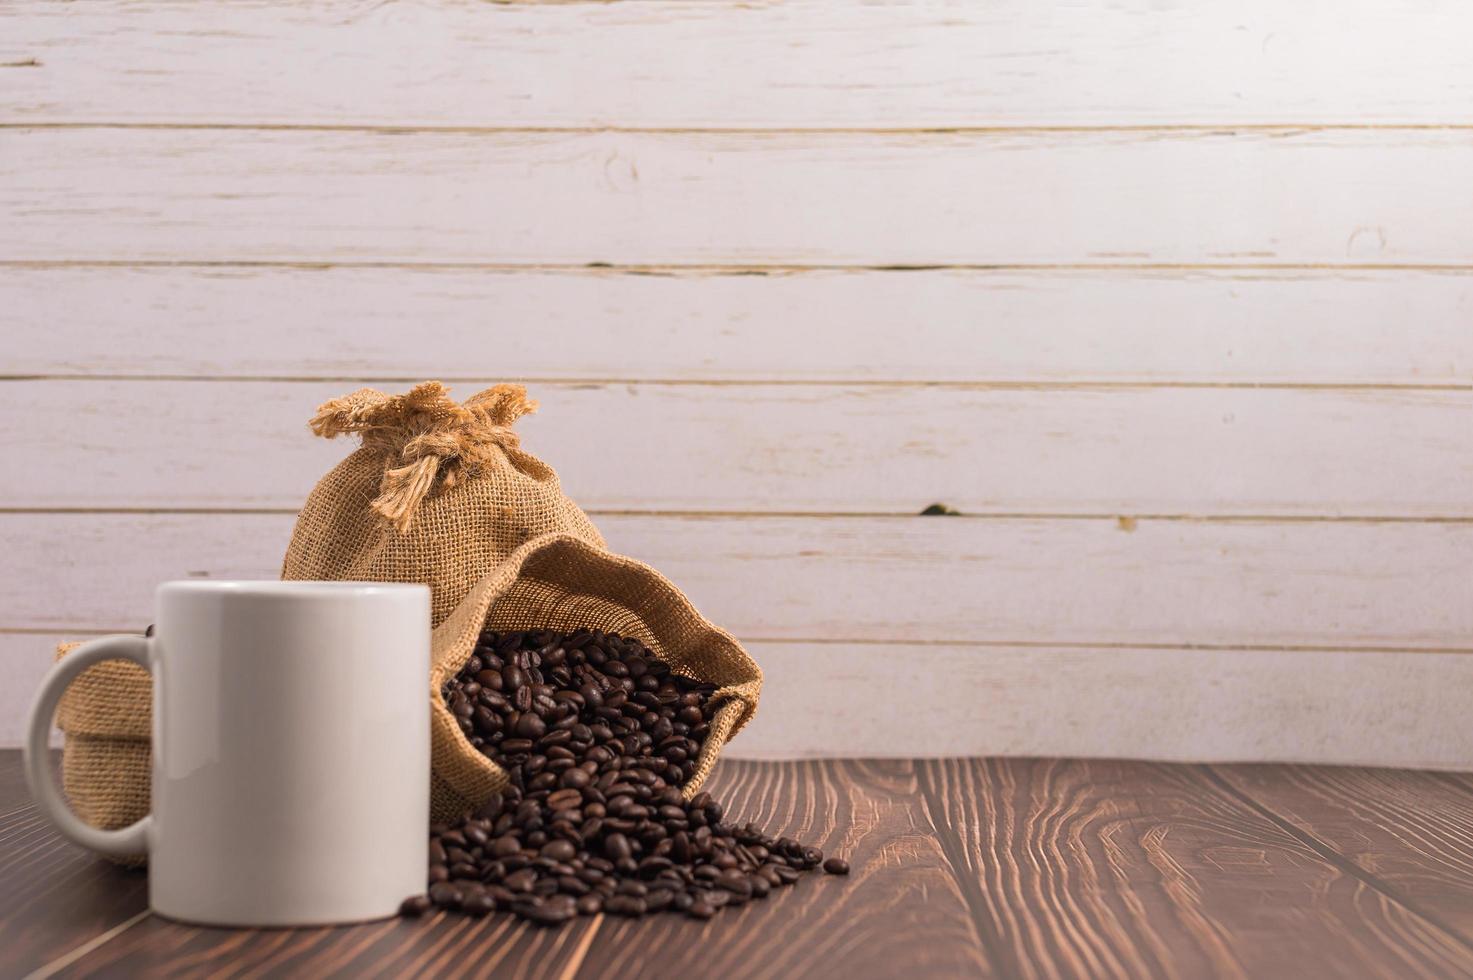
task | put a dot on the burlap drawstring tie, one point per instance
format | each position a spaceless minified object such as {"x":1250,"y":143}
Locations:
{"x":426,"y":437}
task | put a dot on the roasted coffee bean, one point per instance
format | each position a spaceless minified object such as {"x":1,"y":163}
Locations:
{"x":616,"y":846}
{"x":549,"y":911}
{"x":624,"y":905}
{"x":576,"y":779}
{"x":415,"y":905}
{"x":736,"y":883}
{"x":479,"y":904}
{"x":530,"y":725}
{"x":445,"y":895}
{"x":573,"y":885}
{"x":597,"y":735}
{"x":836,"y":866}
{"x":521,"y":881}
{"x":559,"y":850}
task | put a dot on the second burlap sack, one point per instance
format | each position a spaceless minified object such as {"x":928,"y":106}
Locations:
{"x":106,"y":768}
{"x":442,"y":493}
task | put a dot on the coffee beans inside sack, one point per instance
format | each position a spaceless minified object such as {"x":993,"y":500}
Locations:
{"x":596,"y":735}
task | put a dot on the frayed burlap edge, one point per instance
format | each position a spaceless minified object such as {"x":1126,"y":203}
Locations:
{"x":561,"y":582}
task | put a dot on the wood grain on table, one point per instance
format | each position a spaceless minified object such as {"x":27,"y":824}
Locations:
{"x":962,"y":867}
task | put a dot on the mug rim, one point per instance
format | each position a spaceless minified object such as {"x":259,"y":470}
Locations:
{"x":295,"y":588}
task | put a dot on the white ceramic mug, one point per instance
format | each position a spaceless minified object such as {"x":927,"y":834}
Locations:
{"x":291,"y":751}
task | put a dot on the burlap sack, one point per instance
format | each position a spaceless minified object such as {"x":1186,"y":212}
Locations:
{"x":562,"y":582}
{"x":442,"y":493}
{"x":107,"y":716}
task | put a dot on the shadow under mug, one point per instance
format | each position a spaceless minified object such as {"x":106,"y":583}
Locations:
{"x":291,"y":751}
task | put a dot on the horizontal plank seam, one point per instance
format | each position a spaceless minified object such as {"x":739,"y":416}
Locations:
{"x":730,"y":269}
{"x":979,"y":384}
{"x":929,"y":129}
{"x":991,"y":644}
{"x":1332,"y":855}
{"x":997,"y":949}
{"x":1111,"y":516}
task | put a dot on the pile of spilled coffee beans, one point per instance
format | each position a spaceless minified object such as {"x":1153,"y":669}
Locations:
{"x":597,"y":735}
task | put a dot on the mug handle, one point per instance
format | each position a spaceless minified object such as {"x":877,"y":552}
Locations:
{"x":130,"y":841}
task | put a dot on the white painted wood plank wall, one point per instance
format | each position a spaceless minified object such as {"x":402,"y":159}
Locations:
{"x":1209,"y":326}
{"x":875,"y":580}
{"x":842,"y":448}
{"x":1014,"y":198}
{"x":799,"y":64}
{"x":1172,"y":299}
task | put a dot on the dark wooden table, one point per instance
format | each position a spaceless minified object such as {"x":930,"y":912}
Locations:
{"x":970,"y":867}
